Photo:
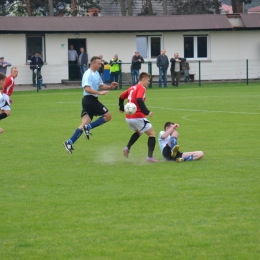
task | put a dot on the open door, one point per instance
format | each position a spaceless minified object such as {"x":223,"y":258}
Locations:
{"x":74,"y":71}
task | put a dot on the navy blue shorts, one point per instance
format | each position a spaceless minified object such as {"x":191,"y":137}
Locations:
{"x":167,"y":153}
{"x":92,"y":107}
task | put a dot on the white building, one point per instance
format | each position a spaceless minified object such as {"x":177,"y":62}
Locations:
{"x":222,"y":43}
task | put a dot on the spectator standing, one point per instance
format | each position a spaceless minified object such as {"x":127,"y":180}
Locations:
{"x":176,"y":68}
{"x":163,"y":64}
{"x":9,"y":82}
{"x":73,"y":61}
{"x":185,"y":68}
{"x":101,"y":70}
{"x":3,"y":65}
{"x":115,"y":66}
{"x":83,"y":61}
{"x":36,"y":63}
{"x":135,"y":67}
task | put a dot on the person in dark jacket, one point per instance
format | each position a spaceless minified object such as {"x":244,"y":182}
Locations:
{"x":135,"y":67}
{"x":36,"y":63}
{"x":163,"y":64}
{"x":101,"y":70}
{"x":83,"y":61}
{"x":176,"y":68}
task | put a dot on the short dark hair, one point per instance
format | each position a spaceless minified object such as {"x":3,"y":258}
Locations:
{"x":2,"y":76}
{"x":167,"y":124}
{"x":94,"y":58}
{"x":144,"y":75}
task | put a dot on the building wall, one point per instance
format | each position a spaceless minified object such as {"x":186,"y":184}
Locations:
{"x":228,"y":53}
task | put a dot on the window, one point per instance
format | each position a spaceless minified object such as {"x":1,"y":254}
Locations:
{"x":149,"y":46}
{"x":34,"y":43}
{"x":196,"y":47}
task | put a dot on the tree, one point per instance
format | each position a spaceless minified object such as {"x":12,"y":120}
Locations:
{"x":130,"y":7}
{"x":196,"y":6}
{"x":47,"y":7}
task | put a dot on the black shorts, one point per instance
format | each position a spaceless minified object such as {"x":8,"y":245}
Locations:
{"x":92,"y":107}
{"x":167,"y":153}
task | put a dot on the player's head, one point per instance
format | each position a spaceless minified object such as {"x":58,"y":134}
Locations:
{"x":144,"y":79}
{"x":168,"y":124}
{"x":137,"y":53}
{"x":176,"y":55}
{"x":163,"y":52}
{"x":2,"y":81}
{"x":2,"y":59}
{"x":95,"y":63}
{"x":14,"y":72}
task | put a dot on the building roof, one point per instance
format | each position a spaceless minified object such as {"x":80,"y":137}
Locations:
{"x":251,"y":20}
{"x":255,"y":9}
{"x":227,"y":9}
{"x":123,"y":23}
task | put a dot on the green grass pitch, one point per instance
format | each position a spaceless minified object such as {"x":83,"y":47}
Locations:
{"x":95,"y":204}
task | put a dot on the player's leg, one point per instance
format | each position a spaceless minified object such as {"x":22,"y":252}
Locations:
{"x":173,"y":143}
{"x":96,"y":108}
{"x":192,"y":156}
{"x":134,"y":137}
{"x":151,"y":143}
{"x":85,"y":119}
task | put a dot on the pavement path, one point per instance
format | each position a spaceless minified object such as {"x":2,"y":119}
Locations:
{"x":49,"y":86}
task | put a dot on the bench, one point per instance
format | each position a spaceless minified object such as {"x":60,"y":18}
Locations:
{"x":155,"y":78}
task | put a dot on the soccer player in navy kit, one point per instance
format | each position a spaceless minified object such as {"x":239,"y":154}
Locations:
{"x":138,"y":122}
{"x":91,"y":83}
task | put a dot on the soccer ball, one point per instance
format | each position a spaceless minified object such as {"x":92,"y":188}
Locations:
{"x":130,"y":108}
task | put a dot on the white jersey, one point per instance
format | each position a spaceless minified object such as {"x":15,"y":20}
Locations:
{"x":4,"y":102}
{"x":91,"y":79}
{"x":163,"y":142}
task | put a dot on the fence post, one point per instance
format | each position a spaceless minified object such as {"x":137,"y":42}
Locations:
{"x":37,"y":79}
{"x":150,"y":72}
{"x":247,"y":71}
{"x":199,"y":74}
{"x":120,"y":77}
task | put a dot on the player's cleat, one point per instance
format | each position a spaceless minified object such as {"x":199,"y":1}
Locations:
{"x":175,"y":149}
{"x":151,"y":159}
{"x":68,"y":147}
{"x":126,"y":152}
{"x":86,"y":132}
{"x":179,"y":159}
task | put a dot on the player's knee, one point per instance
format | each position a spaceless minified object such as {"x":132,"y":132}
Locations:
{"x":107,"y":117}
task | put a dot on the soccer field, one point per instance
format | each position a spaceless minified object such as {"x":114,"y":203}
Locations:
{"x":96,"y":204}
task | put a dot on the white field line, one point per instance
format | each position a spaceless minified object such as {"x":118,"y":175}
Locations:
{"x":183,"y":109}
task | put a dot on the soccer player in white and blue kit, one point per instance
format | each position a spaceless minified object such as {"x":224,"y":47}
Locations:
{"x":91,"y":84}
{"x":168,"y":142}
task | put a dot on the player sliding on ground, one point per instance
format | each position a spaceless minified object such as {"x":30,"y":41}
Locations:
{"x":169,"y":145}
{"x":138,"y":122}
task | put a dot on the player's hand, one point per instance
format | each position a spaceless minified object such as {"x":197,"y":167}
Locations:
{"x":150,"y":114}
{"x":11,"y":101}
{"x":1,"y":130}
{"x":113,"y":85}
{"x":103,"y":92}
{"x":120,"y":111}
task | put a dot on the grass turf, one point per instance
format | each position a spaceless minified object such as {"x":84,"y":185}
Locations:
{"x":96,"y":204}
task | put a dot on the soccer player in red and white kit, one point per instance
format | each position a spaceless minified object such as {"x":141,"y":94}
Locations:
{"x":138,"y":122}
{"x":9,"y":82}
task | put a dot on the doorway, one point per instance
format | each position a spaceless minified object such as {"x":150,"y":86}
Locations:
{"x":74,"y":71}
